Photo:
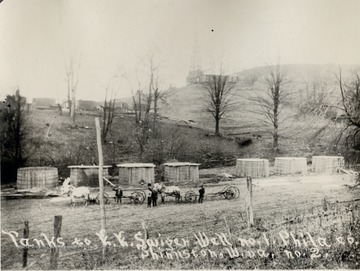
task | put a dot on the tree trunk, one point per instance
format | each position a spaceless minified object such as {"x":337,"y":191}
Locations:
{"x":60,"y":109}
{"x":217,"y":125}
{"x":72,"y":114}
{"x":141,"y":152}
{"x":69,"y":100}
{"x":155,"y":112}
{"x":276,"y":138}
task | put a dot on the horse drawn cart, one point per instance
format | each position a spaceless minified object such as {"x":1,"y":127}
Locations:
{"x":135,"y":195}
{"x":229,"y":192}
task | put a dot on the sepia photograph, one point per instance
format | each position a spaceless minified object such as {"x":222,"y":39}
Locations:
{"x":180,"y":134}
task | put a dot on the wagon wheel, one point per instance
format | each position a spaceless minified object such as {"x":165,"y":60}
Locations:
{"x":143,"y":194}
{"x":231,"y":192}
{"x":237,"y":192}
{"x":137,"y":197}
{"x":190,"y":196}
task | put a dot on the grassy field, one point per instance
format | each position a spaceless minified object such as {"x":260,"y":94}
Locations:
{"x":313,"y":205}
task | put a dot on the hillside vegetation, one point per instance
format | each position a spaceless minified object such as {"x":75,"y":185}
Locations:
{"x":185,"y":132}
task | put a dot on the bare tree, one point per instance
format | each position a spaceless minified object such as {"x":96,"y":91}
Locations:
{"x":72,"y":79}
{"x":138,"y":100}
{"x":108,"y":110}
{"x":218,"y":97}
{"x":272,"y":103}
{"x":350,"y":95}
{"x":142,"y":130}
{"x":318,"y":98}
{"x":136,"y":103}
{"x":142,"y":106}
{"x":158,"y":95}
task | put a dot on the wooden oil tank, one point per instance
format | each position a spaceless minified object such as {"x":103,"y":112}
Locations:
{"x":253,"y":167}
{"x":327,"y":164}
{"x":86,"y":175}
{"x":136,"y":173}
{"x":44,"y":177}
{"x":181,"y":172}
{"x":290,"y":165}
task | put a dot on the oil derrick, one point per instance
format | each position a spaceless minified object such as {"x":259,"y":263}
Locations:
{"x":195,"y":72}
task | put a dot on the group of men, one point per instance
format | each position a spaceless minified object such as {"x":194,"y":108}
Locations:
{"x":152,"y":195}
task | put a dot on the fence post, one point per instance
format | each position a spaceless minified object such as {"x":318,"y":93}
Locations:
{"x":101,"y":182}
{"x":26,"y":236}
{"x":146,"y":232}
{"x":249,"y":200}
{"x":54,"y":251}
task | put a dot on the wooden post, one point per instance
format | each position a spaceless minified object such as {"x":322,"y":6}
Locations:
{"x":101,"y":182}
{"x":249,"y":207}
{"x":54,"y":252}
{"x":25,"y":250}
{"x":146,"y":232}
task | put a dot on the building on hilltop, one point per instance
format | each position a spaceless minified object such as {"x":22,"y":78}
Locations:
{"x":194,"y":77}
{"x":198,"y":77}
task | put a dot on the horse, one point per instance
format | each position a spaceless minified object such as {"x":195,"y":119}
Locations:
{"x":167,"y":190}
{"x":75,"y":193}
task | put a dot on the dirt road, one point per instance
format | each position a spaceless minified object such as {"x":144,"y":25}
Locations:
{"x":274,"y":197}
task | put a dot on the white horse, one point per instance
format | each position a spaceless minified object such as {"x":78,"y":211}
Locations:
{"x":167,"y":190}
{"x":75,"y":193}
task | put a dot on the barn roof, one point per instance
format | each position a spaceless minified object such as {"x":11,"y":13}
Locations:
{"x":180,"y":164}
{"x":136,"y":165}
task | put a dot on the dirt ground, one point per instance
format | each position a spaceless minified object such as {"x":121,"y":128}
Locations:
{"x":273,"y":198}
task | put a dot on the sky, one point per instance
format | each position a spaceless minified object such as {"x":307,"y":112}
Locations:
{"x":113,"y":40}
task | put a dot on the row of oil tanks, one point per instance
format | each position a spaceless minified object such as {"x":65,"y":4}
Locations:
{"x":131,"y":174}
{"x":141,"y":173}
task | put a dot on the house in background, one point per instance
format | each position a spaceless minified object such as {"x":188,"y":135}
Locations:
{"x":44,"y":103}
{"x":198,"y":77}
{"x":86,"y":105}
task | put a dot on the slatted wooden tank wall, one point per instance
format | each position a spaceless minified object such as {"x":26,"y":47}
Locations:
{"x":181,"y":172}
{"x":256,"y":168}
{"x":327,"y":164}
{"x":86,"y":175}
{"x":136,"y":173}
{"x":290,"y":165}
{"x":29,"y":177}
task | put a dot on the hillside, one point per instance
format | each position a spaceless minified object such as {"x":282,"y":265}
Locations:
{"x":185,"y":131}
{"x":186,"y":103}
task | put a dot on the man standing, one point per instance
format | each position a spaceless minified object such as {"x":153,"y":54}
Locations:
{"x":154,"y":197}
{"x":201,"y":194}
{"x":118,"y":194}
{"x":149,"y":195}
